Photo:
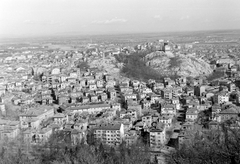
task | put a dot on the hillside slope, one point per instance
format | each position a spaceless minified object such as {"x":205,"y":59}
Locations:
{"x":183,"y":65}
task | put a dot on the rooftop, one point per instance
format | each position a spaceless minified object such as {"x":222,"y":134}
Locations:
{"x":112,"y":126}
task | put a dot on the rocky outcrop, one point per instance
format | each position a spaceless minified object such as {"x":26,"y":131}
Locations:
{"x":183,"y":65}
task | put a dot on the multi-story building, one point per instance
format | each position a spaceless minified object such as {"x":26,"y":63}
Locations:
{"x":199,"y":90}
{"x":33,"y":117}
{"x":221,"y":97}
{"x":93,"y":108}
{"x":166,"y":94}
{"x":130,"y":113}
{"x":110,"y":134}
{"x":157,"y":136}
{"x":166,"y":120}
{"x":147,"y":120}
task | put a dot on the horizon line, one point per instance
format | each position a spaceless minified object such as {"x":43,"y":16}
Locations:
{"x":79,"y":34}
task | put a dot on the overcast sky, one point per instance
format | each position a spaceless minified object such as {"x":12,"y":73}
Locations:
{"x":44,"y":17}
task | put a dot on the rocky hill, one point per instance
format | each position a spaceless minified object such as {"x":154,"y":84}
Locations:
{"x":183,"y":65}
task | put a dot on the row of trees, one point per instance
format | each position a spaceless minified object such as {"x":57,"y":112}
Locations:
{"x":220,"y":146}
{"x":59,"y":150}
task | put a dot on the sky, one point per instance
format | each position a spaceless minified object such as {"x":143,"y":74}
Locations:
{"x":56,"y":17}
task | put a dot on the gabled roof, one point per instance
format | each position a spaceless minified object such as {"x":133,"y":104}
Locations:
{"x":59,"y":115}
{"x":230,"y":110}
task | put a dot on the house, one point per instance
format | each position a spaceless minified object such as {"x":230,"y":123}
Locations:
{"x":131,"y":137}
{"x":2,"y":91}
{"x":189,"y":91}
{"x":125,"y":83}
{"x":155,"y":98}
{"x":110,"y":84}
{"x":103,"y":97}
{"x":189,"y":126}
{"x":55,"y":71}
{"x":187,"y":99}
{"x":158,"y":86}
{"x":93,"y":98}
{"x":92,"y":87}
{"x":112,"y":94}
{"x":100,"y":83}
{"x":167,"y":93}
{"x":28,"y":135}
{"x":72,"y":80}
{"x":166,"y":120}
{"x":42,"y":135}
{"x":63,"y":99}
{"x":141,"y":96}
{"x":81,"y":125}
{"x":184,"y":137}
{"x":192,"y":114}
{"x":229,"y":113}
{"x":70,"y":136}
{"x":130,"y":96}
{"x":47,"y":100}
{"x":9,"y":129}
{"x":181,"y":81}
{"x":168,"y":109}
{"x":127,"y":124}
{"x":139,"y":126}
{"x":176,"y":91}
{"x":116,"y":106}
{"x":146,"y":105}
{"x":175,"y":101}
{"x":85,"y":99}
{"x":2,"y":107}
{"x":135,"y":83}
{"x":109,"y":134}
{"x":99,"y":91}
{"x":135,"y":106}
{"x":108,"y":77}
{"x":216,"y":109}
{"x":77,"y":136}
{"x":146,"y":90}
{"x":83,"y":82}
{"x":213,"y":125}
{"x":98,"y":75}
{"x":60,"y":118}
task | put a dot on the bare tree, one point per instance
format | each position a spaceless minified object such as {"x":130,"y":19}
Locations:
{"x":215,"y":146}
